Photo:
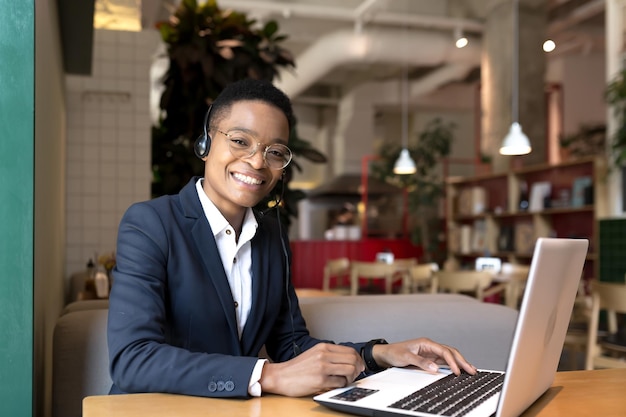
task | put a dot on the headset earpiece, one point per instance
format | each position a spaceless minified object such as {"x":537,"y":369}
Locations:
{"x":202,"y":145}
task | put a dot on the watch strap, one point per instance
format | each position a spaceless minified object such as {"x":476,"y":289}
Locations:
{"x":368,"y":357}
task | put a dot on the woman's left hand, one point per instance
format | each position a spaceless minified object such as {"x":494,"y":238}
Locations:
{"x":423,"y":353}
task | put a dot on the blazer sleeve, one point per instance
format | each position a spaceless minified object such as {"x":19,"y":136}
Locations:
{"x":141,"y":359}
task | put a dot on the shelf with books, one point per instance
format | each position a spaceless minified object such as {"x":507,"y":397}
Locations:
{"x":502,"y":215}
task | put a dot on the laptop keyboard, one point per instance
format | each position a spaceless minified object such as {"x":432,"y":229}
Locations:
{"x":453,"y":395}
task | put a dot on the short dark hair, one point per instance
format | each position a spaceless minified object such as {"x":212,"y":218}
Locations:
{"x":250,"y":89}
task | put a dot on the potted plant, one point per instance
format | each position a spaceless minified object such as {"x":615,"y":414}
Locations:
{"x":209,"y":48}
{"x":425,"y":188}
{"x":615,"y":96}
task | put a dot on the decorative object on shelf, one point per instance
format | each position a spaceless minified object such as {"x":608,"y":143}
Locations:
{"x":479,"y":236}
{"x":506,"y":238}
{"x":515,"y":142}
{"x":524,"y":238}
{"x":582,"y":191}
{"x":209,"y":48}
{"x":523,"y":196}
{"x":539,"y":195}
{"x":472,"y":201}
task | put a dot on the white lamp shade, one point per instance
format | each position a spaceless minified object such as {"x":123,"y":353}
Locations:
{"x":515,"y":142}
{"x":405,"y":164}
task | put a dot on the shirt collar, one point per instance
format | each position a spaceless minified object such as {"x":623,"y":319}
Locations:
{"x":218,"y":222}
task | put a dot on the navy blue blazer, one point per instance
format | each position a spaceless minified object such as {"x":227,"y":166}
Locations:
{"x":172,"y":325}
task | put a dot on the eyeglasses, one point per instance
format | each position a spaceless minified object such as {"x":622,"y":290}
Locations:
{"x":276,"y":156}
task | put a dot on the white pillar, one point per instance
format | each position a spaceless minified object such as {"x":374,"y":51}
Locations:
{"x":614,"y":27}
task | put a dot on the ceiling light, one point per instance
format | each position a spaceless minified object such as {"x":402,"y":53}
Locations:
{"x":515,"y":142}
{"x":459,"y":38}
{"x":404,"y":164}
{"x":549,"y":45}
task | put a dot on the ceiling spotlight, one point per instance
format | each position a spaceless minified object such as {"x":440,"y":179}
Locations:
{"x":459,"y":38}
{"x":549,"y":45}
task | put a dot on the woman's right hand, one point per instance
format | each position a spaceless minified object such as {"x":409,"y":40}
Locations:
{"x":324,"y":366}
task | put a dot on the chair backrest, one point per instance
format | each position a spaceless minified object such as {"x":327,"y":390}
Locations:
{"x":462,"y":281}
{"x":609,"y":296}
{"x":515,"y":277}
{"x":80,"y":360}
{"x":338,"y":268}
{"x":404,"y":262}
{"x":422,"y":276}
{"x":514,"y":271}
{"x":370,"y":270}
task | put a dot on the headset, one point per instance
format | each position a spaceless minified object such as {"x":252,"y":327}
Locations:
{"x":202,"y":145}
{"x":201,"y":148}
{"x":296,"y":348}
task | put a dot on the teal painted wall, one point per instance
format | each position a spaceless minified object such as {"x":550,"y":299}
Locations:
{"x":16,"y":207}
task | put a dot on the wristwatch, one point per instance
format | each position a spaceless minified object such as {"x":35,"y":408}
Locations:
{"x":368,"y":358}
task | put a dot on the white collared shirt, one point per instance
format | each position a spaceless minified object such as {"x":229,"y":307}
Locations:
{"x":236,"y":258}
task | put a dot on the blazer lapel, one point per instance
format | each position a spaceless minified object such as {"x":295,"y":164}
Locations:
{"x":208,"y":253}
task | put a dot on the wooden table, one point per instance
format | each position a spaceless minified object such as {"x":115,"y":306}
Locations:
{"x":576,"y":393}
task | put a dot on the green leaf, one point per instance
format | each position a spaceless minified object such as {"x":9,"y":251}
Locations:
{"x":270,"y":28}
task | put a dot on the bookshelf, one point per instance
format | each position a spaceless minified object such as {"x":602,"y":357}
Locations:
{"x":503,"y":214}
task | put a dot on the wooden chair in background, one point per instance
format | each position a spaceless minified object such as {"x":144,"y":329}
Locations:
{"x":421,"y":278}
{"x":609,"y":351}
{"x":511,"y":281}
{"x":372,"y":271}
{"x":339,"y":270}
{"x":463,"y":281}
{"x":402,"y":267}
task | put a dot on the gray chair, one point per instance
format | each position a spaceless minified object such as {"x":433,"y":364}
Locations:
{"x":85,"y":305}
{"x":80,"y":361}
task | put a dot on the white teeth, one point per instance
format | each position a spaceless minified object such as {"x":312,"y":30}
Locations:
{"x":247,"y":180}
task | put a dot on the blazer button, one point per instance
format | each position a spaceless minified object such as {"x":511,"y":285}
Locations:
{"x":212,"y":386}
{"x":229,"y":386}
{"x":236,"y":304}
{"x":220,"y":385}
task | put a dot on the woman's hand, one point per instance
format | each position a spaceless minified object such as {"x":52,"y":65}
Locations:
{"x":423,"y":353}
{"x":320,"y":368}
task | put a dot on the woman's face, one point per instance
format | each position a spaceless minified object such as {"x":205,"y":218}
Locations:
{"x":232,"y":183}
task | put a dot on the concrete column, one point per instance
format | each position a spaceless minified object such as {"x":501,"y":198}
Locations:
{"x":497,"y":82}
{"x":354,"y":135}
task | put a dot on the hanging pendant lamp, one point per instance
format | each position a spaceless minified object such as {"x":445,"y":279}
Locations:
{"x":515,"y":142}
{"x":405,"y":165}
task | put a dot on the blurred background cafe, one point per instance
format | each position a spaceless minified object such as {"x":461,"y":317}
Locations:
{"x":431,"y":87}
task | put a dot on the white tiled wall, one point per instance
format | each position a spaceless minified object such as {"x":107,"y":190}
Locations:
{"x":108,"y":144}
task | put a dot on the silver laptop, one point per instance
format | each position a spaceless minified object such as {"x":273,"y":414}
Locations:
{"x":555,"y":272}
